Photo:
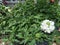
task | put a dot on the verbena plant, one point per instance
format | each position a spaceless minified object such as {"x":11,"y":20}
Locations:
{"x":22,"y":24}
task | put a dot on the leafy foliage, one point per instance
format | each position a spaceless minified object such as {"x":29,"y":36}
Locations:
{"x":22,"y":25}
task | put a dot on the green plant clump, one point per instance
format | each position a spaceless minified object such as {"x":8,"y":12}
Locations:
{"x":22,"y":24}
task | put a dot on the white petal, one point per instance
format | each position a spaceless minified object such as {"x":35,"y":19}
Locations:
{"x":48,"y":31}
{"x":52,"y":27}
{"x":51,"y":23}
{"x":45,"y":31}
{"x":45,"y":27}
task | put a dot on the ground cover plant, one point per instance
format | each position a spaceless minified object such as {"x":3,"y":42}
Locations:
{"x":22,"y":25}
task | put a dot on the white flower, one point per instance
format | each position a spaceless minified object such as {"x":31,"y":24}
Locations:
{"x":9,"y":10}
{"x":47,"y":26}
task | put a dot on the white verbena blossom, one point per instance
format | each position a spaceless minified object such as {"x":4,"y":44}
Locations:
{"x":47,"y":26}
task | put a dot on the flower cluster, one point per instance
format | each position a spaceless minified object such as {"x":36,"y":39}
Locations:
{"x":47,"y":26}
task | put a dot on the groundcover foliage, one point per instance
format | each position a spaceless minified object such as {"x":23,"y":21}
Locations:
{"x":22,"y":24}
